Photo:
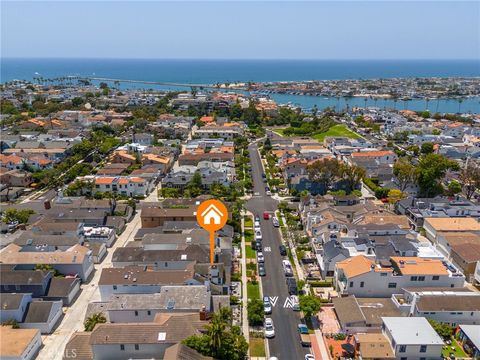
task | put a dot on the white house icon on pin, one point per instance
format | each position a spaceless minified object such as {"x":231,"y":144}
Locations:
{"x":212,"y":213}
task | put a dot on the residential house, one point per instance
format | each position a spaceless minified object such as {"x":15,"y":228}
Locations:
{"x":452,"y":306}
{"x":135,"y":308}
{"x":19,"y":344}
{"x":412,"y":338}
{"x":436,"y":227}
{"x":153,"y":216}
{"x":362,"y":277}
{"x":141,"y":280}
{"x":35,"y":282}
{"x":138,"y":340}
{"x":63,"y":289}
{"x":470,"y":338}
{"x":42,"y":315}
{"x":74,"y":261}
{"x":363,"y":315}
{"x":14,"y":306}
{"x":373,"y":346}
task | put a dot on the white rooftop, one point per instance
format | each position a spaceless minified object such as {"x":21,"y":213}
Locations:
{"x":411,"y":331}
{"x":473,"y":333}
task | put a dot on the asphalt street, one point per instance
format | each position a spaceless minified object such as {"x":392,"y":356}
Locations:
{"x":286,"y":343}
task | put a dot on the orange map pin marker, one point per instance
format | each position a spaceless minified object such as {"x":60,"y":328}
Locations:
{"x":212,"y":215}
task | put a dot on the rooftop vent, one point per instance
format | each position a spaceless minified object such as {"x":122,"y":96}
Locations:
{"x":162,"y":336}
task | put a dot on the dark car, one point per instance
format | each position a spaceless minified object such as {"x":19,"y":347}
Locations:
{"x":261,"y":270}
{"x":257,"y":218}
{"x":292,"y":286}
{"x":283,"y":250}
{"x":258,"y":245}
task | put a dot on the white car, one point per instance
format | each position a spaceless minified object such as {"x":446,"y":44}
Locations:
{"x":309,"y":357}
{"x":269,"y":329}
{"x":295,"y":302}
{"x":260,"y":257}
{"x":275,"y":222}
{"x":258,"y":235}
{"x":269,"y":193}
{"x":257,"y":225}
{"x":267,"y":305}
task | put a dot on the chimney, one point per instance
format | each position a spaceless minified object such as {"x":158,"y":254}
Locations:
{"x":203,"y":313}
{"x":47,"y":205}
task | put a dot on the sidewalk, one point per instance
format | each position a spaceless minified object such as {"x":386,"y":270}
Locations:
{"x":245,"y":327}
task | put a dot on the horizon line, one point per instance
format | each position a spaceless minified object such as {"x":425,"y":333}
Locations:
{"x":234,"y":59}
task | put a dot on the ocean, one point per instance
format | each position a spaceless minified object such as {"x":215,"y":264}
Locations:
{"x":213,"y":71}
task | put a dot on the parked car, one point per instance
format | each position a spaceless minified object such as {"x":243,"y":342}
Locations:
{"x":283,"y":250}
{"x":266,"y":215}
{"x":304,"y":335}
{"x":260,"y":257}
{"x":269,"y":329}
{"x":258,"y":235}
{"x":275,"y":221}
{"x":257,"y":218}
{"x":269,"y":193}
{"x":256,"y":225}
{"x":292,"y":286}
{"x":258,"y":245}
{"x":261,"y":270}
{"x":295,"y":302}
{"x":287,"y":268}
{"x":309,"y":357}
{"x":267,"y":305}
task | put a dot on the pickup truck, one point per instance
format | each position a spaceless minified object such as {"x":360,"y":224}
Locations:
{"x":304,"y":335}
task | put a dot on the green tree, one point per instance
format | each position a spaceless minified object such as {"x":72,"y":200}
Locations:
{"x":405,"y":172}
{"x":395,"y":196}
{"x":310,"y":305}
{"x":427,"y":148}
{"x":353,"y":175}
{"x":221,"y":340}
{"x":255,"y":312}
{"x":194,"y":186}
{"x":324,"y":172}
{"x":454,"y":187}
{"x":170,"y":192}
{"x":431,"y":170}
{"x":11,"y":215}
{"x":469,"y":176}
{"x":443,"y":330}
{"x":94,"y":319}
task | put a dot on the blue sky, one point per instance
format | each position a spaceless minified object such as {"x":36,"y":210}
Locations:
{"x":242,"y":30}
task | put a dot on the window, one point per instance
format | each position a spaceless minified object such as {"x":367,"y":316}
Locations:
{"x":413,"y":278}
{"x":114,"y":287}
{"x":402,"y":348}
{"x":122,"y":347}
{"x":149,"y":312}
{"x":421,"y":278}
{"x":137,"y":347}
{"x":403,"y":358}
{"x":362,"y":284}
{"x":383,"y":274}
{"x":351,"y":284}
{"x":423,"y":348}
{"x":422,"y":358}
{"x":392,"y":285}
{"x":136,"y":313}
{"x":435,"y":277}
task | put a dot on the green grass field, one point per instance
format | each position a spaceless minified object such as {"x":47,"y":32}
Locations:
{"x":337,"y":130}
{"x":253,"y":291}
{"x":248,"y":222}
{"x":250,"y":253}
{"x":257,"y":347}
{"x":279,"y":131}
{"x":447,"y":350}
{"x":248,"y":235}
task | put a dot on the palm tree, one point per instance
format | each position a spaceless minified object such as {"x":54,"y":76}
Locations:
{"x":94,"y":319}
{"x":215,"y":331}
{"x":460,"y":100}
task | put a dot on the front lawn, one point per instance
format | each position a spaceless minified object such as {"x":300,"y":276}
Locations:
{"x":248,"y":235}
{"x":337,"y":130}
{"x":257,"y":347}
{"x":279,"y":131}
